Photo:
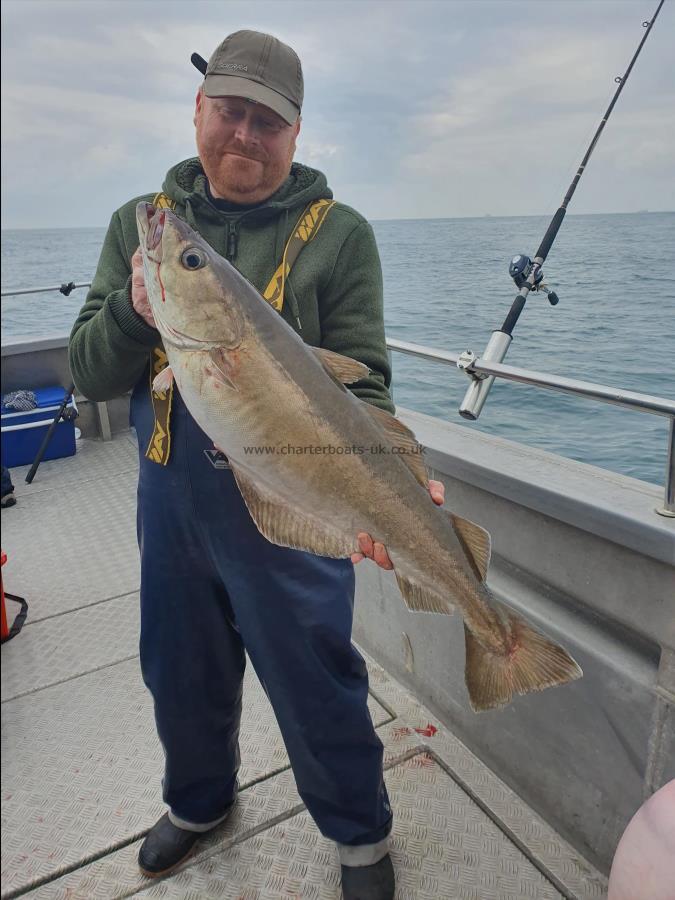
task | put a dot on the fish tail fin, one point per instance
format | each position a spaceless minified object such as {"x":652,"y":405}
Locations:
{"x":532,"y":663}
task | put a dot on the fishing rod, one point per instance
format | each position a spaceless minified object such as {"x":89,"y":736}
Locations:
{"x":527,"y":273}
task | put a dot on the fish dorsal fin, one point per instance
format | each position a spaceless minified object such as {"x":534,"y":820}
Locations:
{"x":475,"y":542}
{"x":409,"y":449}
{"x":345,"y":369}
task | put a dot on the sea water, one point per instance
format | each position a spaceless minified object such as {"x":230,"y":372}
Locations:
{"x":446,"y":285}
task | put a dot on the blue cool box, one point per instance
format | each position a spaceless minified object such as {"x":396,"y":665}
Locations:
{"x":23,"y":432}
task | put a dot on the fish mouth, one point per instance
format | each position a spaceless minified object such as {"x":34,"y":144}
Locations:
{"x":156,"y":228}
{"x":144,"y":213}
{"x":150,"y":223}
{"x":153,"y":237}
{"x":153,"y":221}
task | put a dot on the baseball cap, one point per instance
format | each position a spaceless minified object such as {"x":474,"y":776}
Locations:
{"x":258,"y":67}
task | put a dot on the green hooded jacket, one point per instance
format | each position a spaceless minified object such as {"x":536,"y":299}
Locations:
{"x":333,"y":295}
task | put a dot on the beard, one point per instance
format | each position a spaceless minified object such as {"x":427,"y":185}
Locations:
{"x":236,"y":176}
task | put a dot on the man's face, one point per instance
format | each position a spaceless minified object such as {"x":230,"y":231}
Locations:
{"x":246,"y":149}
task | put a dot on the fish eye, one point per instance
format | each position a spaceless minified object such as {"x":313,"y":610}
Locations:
{"x":193,"y":258}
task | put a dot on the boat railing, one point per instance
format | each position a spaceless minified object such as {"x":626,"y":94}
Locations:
{"x":633,"y":400}
{"x":477,"y":369}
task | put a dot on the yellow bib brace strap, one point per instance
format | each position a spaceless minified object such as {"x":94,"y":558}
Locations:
{"x":308,"y":225}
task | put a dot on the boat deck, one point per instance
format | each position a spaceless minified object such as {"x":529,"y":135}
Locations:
{"x":82,"y":764}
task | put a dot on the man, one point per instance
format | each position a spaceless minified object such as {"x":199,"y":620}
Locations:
{"x":211,"y":585}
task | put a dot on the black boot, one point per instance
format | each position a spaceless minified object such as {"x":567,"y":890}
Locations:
{"x":374,"y":882}
{"x":167,"y":846}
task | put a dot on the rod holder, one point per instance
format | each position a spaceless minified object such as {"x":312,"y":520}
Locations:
{"x":668,"y":508}
{"x":476,"y":393}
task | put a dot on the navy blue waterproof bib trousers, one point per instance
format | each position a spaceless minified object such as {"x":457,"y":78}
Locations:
{"x":211,"y":587}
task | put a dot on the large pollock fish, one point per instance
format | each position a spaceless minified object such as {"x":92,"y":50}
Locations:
{"x":260,"y":392}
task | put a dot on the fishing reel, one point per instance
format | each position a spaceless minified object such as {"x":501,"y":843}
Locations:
{"x":520,"y":268}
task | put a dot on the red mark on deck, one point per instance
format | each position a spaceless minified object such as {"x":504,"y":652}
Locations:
{"x":421,"y":762}
{"x":401,"y":732}
{"x":429,"y":731}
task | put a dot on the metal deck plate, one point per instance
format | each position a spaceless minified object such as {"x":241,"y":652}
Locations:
{"x":443,"y":846}
{"x":82,"y":763}
{"x":70,"y":644}
{"x":116,"y":874}
{"x":82,"y":767}
{"x":93,"y":460}
{"x":71,"y":546}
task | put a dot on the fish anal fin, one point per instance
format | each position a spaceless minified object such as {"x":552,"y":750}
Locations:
{"x":530,"y":663}
{"x":419,"y":600}
{"x":345,"y":369}
{"x":475,"y":542}
{"x":283,"y":524}
{"x":407,"y":446}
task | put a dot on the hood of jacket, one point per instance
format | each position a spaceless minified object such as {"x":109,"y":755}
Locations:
{"x":186,"y":183}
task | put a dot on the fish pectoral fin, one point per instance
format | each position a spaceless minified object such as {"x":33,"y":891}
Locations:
{"x":475,"y":543}
{"x":286,"y":525}
{"x":402,"y":438}
{"x":345,"y":369}
{"x":219,"y":362}
{"x":163,"y":380}
{"x":419,"y":600}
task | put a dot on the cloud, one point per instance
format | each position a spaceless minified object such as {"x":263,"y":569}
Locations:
{"x":413,"y":109}
{"x":486,"y":120}
{"x":316,"y":154}
{"x":76,"y":115}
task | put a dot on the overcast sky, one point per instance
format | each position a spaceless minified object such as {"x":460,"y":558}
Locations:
{"x":413,"y":109}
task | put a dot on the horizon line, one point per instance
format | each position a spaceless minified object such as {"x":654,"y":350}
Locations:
{"x":634,"y":212}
